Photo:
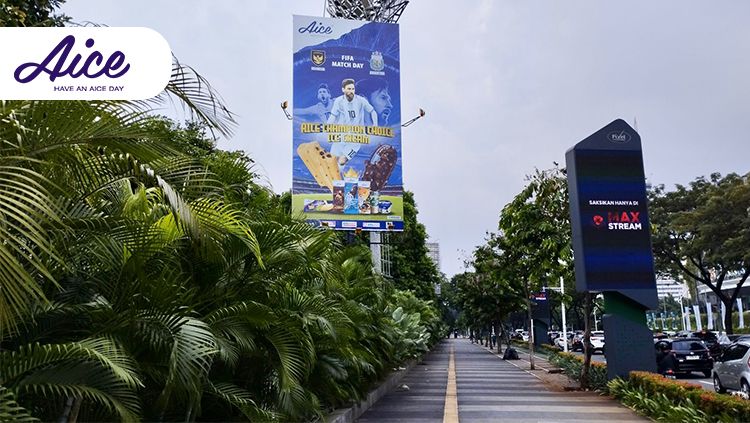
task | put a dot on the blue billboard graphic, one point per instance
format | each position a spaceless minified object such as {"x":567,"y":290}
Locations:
{"x":346,"y":149}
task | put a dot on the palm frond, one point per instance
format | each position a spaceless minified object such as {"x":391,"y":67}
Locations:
{"x":83,"y":380}
{"x":10,"y":411}
{"x":242,"y":400}
{"x":189,"y":362}
{"x":197,"y":97}
{"x":28,"y":358}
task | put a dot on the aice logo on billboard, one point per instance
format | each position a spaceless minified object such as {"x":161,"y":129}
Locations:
{"x":315,"y":28}
{"x":83,"y":63}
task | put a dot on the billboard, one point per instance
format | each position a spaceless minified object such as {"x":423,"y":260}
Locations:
{"x":609,"y":215}
{"x":540,"y":309}
{"x":346,"y":137}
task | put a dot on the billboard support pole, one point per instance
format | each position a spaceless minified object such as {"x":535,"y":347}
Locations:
{"x":375,"y":251}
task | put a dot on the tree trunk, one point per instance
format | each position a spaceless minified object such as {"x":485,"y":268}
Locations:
{"x":586,"y":342}
{"x":498,"y":337}
{"x":531,"y":331}
{"x":728,"y":304}
{"x":75,"y":410}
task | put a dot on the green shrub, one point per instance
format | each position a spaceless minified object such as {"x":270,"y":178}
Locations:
{"x":688,"y":399}
{"x":572,"y":365}
{"x":656,"y":405}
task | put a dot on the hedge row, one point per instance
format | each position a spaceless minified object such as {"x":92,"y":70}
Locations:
{"x":669,"y":400}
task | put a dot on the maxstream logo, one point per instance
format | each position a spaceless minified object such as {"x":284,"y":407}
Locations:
{"x":619,"y":221}
{"x":83,"y":63}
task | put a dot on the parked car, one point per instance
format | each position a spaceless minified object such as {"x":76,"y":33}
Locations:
{"x":577,"y":343}
{"x":732,"y":369}
{"x":597,"y":341}
{"x":559,"y":343}
{"x":683,"y":355}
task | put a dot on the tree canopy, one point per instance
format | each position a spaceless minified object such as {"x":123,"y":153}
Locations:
{"x":702,"y":231}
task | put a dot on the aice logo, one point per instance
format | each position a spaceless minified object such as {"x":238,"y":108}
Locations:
{"x":620,"y":137}
{"x":315,"y":27}
{"x":92,"y":63}
{"x":115,"y":62}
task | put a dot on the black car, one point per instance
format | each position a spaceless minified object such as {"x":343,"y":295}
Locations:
{"x":577,"y":343}
{"x":683,"y":355}
{"x":711,"y":340}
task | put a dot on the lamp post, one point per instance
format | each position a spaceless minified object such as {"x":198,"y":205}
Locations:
{"x":564,"y":323}
{"x":682,"y":312}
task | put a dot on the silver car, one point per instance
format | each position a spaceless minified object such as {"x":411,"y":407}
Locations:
{"x":732,"y":369}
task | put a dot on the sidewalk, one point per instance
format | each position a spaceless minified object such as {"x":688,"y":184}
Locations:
{"x":489,"y":389}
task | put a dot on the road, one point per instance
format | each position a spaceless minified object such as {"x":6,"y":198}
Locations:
{"x":461,"y":381}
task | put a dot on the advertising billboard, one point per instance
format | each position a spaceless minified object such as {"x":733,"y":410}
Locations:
{"x":609,"y":215}
{"x":346,"y":149}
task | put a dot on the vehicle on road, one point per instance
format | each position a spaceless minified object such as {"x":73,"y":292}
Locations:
{"x":683,"y":355}
{"x":560,"y":343}
{"x":732,"y":369}
{"x":577,"y":343}
{"x":597,"y":341}
{"x":711,"y":340}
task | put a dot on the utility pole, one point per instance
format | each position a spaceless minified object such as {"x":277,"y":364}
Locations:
{"x":564,"y":323}
{"x":531,"y":328}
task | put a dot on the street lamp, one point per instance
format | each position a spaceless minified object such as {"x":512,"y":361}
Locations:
{"x":562,"y":306}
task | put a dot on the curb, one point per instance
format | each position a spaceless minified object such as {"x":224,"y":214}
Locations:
{"x":348,"y":415}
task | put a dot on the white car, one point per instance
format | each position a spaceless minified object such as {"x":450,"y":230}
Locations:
{"x":597,"y":341}
{"x":559,"y":343}
{"x":732,"y":369}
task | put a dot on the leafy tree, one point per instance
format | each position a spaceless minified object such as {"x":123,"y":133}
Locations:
{"x":486,"y":296}
{"x":235,"y":170}
{"x":700,"y":231}
{"x":535,"y":233}
{"x":32,"y":13}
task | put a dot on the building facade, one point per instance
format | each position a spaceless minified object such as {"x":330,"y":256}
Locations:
{"x":433,"y":251}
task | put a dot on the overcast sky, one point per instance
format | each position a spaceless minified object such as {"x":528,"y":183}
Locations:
{"x":508,"y":86}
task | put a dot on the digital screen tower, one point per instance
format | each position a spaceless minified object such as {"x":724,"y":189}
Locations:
{"x":612,"y":240}
{"x":609,"y":216}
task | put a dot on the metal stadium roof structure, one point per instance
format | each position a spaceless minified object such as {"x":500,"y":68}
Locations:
{"x":368,"y":10}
